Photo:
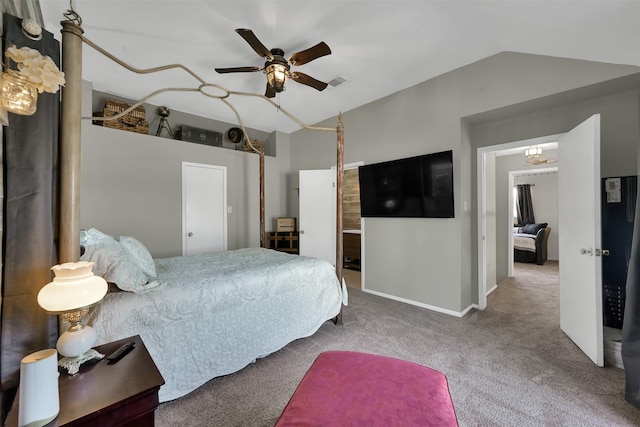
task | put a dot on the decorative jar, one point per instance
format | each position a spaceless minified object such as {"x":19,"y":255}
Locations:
{"x":19,"y":95}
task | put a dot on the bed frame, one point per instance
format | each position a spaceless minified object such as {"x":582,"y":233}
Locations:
{"x":70,"y":140}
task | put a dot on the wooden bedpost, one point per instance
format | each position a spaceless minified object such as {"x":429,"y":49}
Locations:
{"x":339,"y":196}
{"x":262,"y":234}
{"x":70,"y":143}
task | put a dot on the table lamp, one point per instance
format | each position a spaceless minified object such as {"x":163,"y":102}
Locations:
{"x":71,"y":294}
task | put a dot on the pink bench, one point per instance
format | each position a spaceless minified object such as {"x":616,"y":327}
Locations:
{"x":346,"y":388}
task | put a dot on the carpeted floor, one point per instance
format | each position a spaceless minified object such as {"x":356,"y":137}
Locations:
{"x":509,"y":365}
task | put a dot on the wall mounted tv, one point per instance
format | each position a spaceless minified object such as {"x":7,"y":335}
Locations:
{"x":415,"y":187}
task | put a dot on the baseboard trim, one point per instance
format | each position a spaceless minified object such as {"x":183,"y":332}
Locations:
{"x":418,"y":304}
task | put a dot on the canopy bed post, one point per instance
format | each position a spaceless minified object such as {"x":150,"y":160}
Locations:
{"x":262,"y":234}
{"x":70,"y":143}
{"x":339,"y":196}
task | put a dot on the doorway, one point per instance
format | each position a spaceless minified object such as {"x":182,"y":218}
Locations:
{"x":352,"y":224}
{"x":543,"y":184}
{"x":487,"y":214}
{"x":580,"y":237}
{"x":317,"y":210}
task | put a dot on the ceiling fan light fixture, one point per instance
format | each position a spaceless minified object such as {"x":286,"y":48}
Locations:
{"x":277,"y":66}
{"x":277,"y":75}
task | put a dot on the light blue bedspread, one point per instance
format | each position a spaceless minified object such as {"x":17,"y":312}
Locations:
{"x":217,"y":313}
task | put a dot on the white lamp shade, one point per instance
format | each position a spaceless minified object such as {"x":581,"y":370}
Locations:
{"x":73,"y":287}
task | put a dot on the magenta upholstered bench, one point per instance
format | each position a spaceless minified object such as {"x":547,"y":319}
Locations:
{"x":346,"y":388}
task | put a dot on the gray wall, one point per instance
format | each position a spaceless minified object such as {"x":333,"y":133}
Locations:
{"x":619,"y":140}
{"x":132,"y":185}
{"x":432,"y":262}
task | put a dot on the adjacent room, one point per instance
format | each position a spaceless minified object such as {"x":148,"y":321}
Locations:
{"x":269,"y":212}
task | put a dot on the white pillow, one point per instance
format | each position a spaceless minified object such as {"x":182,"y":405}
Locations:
{"x":112,"y":262}
{"x":92,"y":235}
{"x":138,"y":252}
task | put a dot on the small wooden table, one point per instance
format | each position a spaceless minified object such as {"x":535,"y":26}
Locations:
{"x":108,"y":394}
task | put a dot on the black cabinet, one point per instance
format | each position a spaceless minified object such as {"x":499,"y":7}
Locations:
{"x":618,"y":213}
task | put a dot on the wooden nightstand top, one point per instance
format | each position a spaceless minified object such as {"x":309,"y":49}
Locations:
{"x":105,"y":393}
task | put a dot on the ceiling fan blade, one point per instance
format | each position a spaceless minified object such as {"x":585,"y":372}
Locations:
{"x":255,"y":43}
{"x":309,"y":81}
{"x":238,"y":70}
{"x":269,"y":92}
{"x":308,"y":55}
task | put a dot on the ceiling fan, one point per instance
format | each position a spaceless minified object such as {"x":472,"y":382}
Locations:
{"x":277,"y":68}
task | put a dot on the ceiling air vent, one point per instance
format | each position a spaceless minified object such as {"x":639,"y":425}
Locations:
{"x":337,"y":81}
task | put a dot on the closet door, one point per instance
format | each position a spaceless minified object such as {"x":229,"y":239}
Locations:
{"x":204,"y":208}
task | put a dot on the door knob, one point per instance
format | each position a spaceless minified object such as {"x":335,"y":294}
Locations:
{"x":190,"y":234}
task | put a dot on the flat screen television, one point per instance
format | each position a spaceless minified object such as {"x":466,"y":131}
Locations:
{"x":415,"y":187}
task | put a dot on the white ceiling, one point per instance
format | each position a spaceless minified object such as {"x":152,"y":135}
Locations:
{"x":379,"y":47}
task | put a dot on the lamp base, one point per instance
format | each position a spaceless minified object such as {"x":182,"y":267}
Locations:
{"x":72,"y":364}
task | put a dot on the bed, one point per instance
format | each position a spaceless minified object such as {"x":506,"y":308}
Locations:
{"x":208,"y":315}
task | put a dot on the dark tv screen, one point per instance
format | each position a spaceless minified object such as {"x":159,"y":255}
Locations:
{"x":415,"y":187}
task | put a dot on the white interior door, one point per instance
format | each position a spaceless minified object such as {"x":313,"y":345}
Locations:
{"x":204,"y":208}
{"x":317,"y":211}
{"x":580,"y":238}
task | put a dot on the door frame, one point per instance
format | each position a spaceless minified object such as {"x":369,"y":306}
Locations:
{"x":184,"y":200}
{"x":481,"y":175}
{"x":347,"y":166}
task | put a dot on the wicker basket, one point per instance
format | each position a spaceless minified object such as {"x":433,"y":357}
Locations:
{"x":259,"y":145}
{"x":133,"y":121}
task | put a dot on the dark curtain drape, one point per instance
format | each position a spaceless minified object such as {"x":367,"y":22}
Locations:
{"x":631,"y":325}
{"x":30,"y":162}
{"x":525,"y":205}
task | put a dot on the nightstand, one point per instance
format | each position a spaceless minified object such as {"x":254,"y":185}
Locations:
{"x":107,"y":394}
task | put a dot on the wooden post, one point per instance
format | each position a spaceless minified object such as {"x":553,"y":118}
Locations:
{"x":70,"y":143}
{"x":339,"y":209}
{"x":262,"y":233}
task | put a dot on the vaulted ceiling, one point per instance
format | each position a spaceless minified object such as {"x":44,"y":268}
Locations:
{"x":378,"y":47}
